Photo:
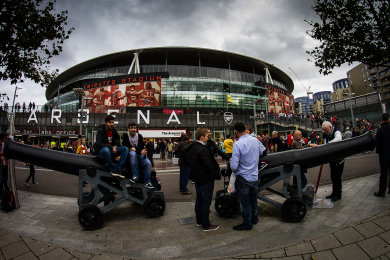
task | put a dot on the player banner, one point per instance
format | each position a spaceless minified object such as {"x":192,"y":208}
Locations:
{"x":137,"y":91}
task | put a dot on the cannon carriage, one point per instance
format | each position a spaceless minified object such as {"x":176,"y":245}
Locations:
{"x":93,"y":170}
{"x":282,"y":166}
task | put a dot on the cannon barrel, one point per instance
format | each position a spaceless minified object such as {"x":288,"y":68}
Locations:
{"x":305,"y":158}
{"x":322,"y":154}
{"x":55,"y":160}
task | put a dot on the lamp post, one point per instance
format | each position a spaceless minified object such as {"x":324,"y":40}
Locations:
{"x":13,"y":103}
{"x":79,"y":92}
{"x":257,"y":102}
{"x":350,"y":103}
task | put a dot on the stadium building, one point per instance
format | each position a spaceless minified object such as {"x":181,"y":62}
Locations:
{"x":165,"y":90}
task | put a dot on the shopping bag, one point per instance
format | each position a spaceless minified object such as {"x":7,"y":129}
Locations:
{"x":231,"y":187}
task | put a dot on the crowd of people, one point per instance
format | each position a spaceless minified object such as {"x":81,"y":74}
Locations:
{"x":245,"y":152}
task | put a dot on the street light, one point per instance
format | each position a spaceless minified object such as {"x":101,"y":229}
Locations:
{"x":350,"y":103}
{"x":13,"y":103}
{"x":79,"y":92}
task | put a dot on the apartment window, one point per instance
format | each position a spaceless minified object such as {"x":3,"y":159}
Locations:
{"x":349,"y":76}
{"x":361,"y":68}
{"x":364,"y":81}
{"x":367,"y":72}
{"x":365,"y":66}
{"x":350,"y":81}
{"x":363,"y":75}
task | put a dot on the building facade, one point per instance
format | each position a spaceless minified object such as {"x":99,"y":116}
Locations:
{"x":163,"y":89}
{"x":305,"y":104}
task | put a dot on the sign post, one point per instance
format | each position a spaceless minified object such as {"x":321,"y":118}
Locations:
{"x":12,"y":162}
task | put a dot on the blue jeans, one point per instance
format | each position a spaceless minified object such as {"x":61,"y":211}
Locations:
{"x":303,"y":180}
{"x":136,"y":159}
{"x":108,"y":155}
{"x":204,"y":195}
{"x":163,"y":154}
{"x":247,"y":193}
{"x":184,"y":177}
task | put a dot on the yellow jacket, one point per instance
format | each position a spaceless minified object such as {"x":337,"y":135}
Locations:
{"x":80,"y":150}
{"x":228,"y":146}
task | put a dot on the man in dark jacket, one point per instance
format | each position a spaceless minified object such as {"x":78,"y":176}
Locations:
{"x":163,"y":147}
{"x":210,"y":144}
{"x":150,"y":151}
{"x":137,"y":155}
{"x":382,"y":141}
{"x":108,"y":146}
{"x":204,"y":170}
{"x":184,"y":164}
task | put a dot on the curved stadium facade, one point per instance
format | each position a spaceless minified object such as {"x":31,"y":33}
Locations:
{"x":217,"y":84}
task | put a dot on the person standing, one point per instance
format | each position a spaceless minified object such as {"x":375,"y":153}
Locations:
{"x":332,"y":135}
{"x":244,"y":162}
{"x":203,"y":170}
{"x":170,"y":149}
{"x":184,"y":164}
{"x":32,"y":169}
{"x":347,"y":134}
{"x":81,"y":149}
{"x":382,"y":141}
{"x":276,"y":142}
{"x":137,"y":155}
{"x":163,"y":147}
{"x":150,"y":151}
{"x":297,"y":145}
{"x":3,"y":165}
{"x":108,"y":146}
{"x":290,"y":139}
{"x":228,"y":146}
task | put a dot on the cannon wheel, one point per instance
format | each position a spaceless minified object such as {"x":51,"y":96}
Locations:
{"x":226,"y":206}
{"x":293,"y":210}
{"x":90,"y":217}
{"x":154,"y":206}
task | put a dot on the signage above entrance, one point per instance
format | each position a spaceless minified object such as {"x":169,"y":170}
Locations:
{"x":123,"y":79}
{"x":165,"y":133}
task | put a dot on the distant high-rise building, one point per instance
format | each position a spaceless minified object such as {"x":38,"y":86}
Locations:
{"x":306,"y":104}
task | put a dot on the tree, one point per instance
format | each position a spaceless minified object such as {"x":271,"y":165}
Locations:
{"x":30,"y":34}
{"x":351,"y":30}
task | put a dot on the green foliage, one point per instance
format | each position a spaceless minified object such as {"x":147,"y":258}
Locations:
{"x":30,"y":34}
{"x":351,"y":30}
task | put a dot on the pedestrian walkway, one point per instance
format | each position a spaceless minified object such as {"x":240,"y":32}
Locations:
{"x":46,"y":227}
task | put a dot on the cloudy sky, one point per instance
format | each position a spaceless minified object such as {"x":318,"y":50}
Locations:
{"x":270,"y":30}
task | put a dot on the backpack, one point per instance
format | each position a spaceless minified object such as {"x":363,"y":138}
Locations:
{"x":8,"y":201}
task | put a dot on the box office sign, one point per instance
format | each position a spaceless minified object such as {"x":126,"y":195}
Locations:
{"x":63,"y":131}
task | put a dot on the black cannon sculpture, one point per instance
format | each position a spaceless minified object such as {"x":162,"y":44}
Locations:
{"x":284,"y":165}
{"x":96,"y":172}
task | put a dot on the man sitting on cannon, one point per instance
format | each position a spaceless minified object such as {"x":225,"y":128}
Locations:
{"x":137,"y":155}
{"x":108,"y":146}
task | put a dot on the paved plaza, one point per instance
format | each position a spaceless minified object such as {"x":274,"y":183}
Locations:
{"x":46,"y":227}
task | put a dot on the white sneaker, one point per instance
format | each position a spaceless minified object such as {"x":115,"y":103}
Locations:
{"x":35,"y":183}
{"x":26,"y":184}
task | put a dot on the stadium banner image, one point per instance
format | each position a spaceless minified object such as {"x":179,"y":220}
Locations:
{"x":279,"y":103}
{"x":132,"y":92}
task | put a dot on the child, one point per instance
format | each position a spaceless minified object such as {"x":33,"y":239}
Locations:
{"x":156,"y":182}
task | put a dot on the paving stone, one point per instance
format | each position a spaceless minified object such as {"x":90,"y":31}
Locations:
{"x":300,"y":249}
{"x":348,"y":235}
{"x":106,"y":257}
{"x":324,"y":255}
{"x":348,"y":252}
{"x":9,"y":238}
{"x":276,"y":253}
{"x":297,"y":257}
{"x":58,"y":254}
{"x":383,"y":257}
{"x":325,"y":242}
{"x":14,"y":249}
{"x":374,"y":246}
{"x":28,"y":240}
{"x":385,"y":236}
{"x":383,"y":222}
{"x":369,"y":229}
{"x":3,"y":232}
{"x":26,"y":256}
{"x":40,"y":248}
